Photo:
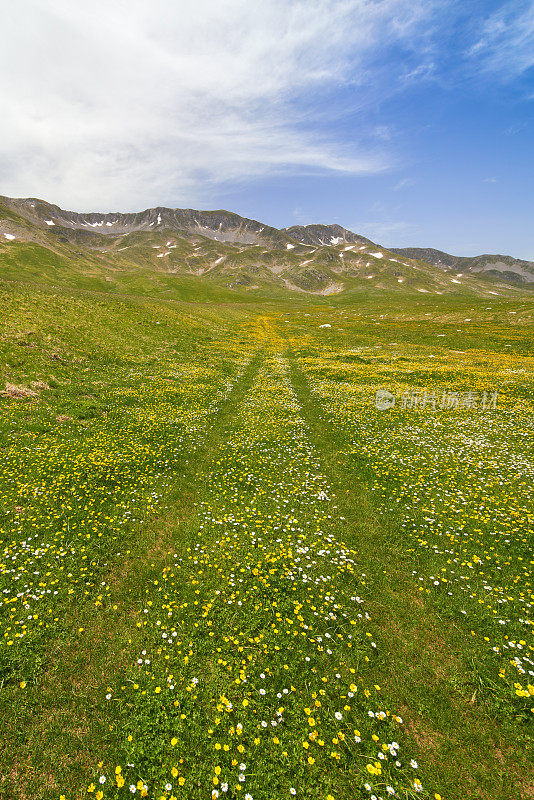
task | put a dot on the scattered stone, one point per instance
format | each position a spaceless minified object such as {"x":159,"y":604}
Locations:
{"x":18,"y":392}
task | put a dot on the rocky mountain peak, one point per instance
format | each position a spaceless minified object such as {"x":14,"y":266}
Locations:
{"x":325,"y":235}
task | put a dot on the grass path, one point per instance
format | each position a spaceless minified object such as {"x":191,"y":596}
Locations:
{"x":254,"y":676}
{"x":465,"y":751}
{"x":235,"y":656}
{"x":61,"y":724}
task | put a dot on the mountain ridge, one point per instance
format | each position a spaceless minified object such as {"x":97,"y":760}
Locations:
{"x":494,"y":265}
{"x":113,"y":222}
{"x":316,"y":233}
{"x":234,"y":252}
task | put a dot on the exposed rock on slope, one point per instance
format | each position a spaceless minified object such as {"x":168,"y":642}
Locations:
{"x":163,"y":246}
{"x":513,"y":270}
{"x":325,"y":235}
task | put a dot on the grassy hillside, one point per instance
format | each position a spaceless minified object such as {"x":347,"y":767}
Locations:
{"x":183,"y":253}
{"x":216,"y":551}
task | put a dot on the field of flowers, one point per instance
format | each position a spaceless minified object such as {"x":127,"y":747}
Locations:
{"x":87,"y":455}
{"x":189,"y":607}
{"x":452,"y":464}
{"x":68,"y":491}
{"x":255,"y":678}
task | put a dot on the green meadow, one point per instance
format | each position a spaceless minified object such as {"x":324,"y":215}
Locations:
{"x":226,"y":573}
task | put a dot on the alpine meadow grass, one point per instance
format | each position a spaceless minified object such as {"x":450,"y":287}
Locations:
{"x":228,"y":572}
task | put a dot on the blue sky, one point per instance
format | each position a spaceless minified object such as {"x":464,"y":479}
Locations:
{"x":409,"y":122}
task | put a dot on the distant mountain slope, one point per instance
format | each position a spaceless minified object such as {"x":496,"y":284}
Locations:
{"x":159,"y":249}
{"x":513,"y":270}
{"x":223,"y":226}
{"x":326,"y":235}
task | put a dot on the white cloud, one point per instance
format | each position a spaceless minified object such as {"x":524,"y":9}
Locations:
{"x":129,"y":103}
{"x":425,"y":71}
{"x":404,"y":183}
{"x":506,"y":45}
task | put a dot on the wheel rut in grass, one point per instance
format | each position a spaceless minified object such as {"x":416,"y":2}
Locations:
{"x":465,"y":751}
{"x":252,"y":669}
{"x":53,"y":728}
{"x":260,"y":582}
